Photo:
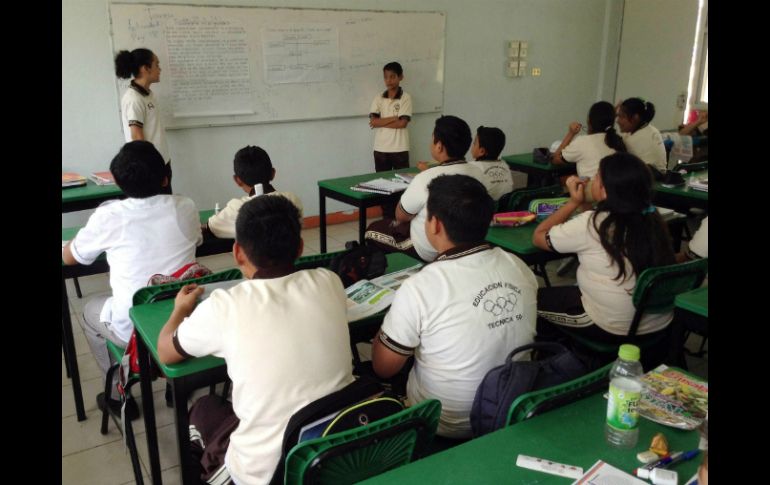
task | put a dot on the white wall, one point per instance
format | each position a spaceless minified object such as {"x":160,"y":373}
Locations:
{"x":655,"y":55}
{"x":574,"y":43}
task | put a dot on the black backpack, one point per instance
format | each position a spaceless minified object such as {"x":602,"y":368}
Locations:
{"x":503,"y":384}
{"x":358,"y":262}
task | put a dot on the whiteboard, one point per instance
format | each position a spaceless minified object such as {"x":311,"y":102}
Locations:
{"x":243,"y":65}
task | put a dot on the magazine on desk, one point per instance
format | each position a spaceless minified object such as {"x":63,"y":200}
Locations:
{"x":673,"y":398}
{"x":72,"y":179}
{"x":368,"y":297}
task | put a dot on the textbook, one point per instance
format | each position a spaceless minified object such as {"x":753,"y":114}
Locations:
{"x":381,"y":186}
{"x":366,"y":299}
{"x":673,"y":398}
{"x":71,"y":179}
{"x":406,"y":177}
{"x":602,"y":473}
{"x":102,"y":178}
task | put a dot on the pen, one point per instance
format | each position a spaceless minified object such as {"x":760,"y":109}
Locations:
{"x":688,"y":455}
{"x":644,"y":472}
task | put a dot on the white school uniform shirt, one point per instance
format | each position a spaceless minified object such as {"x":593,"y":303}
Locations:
{"x":497,"y":175}
{"x":141,"y":237}
{"x":586,"y":152}
{"x":392,"y":140}
{"x":222,"y":225}
{"x":647,"y":144}
{"x":460,"y":317}
{"x":286,"y":343}
{"x":415,"y":199}
{"x":607,"y":301}
{"x":139,"y":107}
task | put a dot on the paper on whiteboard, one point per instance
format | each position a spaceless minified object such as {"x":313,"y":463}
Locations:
{"x":300,"y":53}
{"x":208,"y":59}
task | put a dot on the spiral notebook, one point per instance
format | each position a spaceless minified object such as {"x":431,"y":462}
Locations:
{"x":381,"y":186}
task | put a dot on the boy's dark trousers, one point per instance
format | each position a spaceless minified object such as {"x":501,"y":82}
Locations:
{"x":384,"y":161}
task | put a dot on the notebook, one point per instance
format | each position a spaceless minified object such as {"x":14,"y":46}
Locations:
{"x":381,"y":186}
{"x":102,"y":178}
{"x":71,"y":179}
{"x":605,"y":474}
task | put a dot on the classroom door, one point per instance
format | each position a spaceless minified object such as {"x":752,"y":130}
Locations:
{"x":656,"y":50}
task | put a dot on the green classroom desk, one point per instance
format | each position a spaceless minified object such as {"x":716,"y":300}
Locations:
{"x":539,"y":174}
{"x":211,"y":245}
{"x":518,"y":240}
{"x":188,"y":375}
{"x":695,"y":301}
{"x":682,"y":198}
{"x":691,"y":314}
{"x":573,"y":435}
{"x":88,"y":196}
{"x":339,"y":189}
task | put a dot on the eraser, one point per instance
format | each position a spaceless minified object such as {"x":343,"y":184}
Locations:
{"x":647,"y":456}
{"x":662,"y":476}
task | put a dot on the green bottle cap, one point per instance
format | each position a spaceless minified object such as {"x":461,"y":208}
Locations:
{"x":628,"y":352}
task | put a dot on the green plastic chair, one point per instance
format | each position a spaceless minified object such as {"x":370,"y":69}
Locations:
{"x":654,"y":292}
{"x":354,"y":455}
{"x":538,"y":402}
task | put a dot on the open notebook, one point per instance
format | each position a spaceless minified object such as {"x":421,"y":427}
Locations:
{"x":381,"y":186}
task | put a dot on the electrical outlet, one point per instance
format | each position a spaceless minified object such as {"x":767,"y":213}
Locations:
{"x":535,"y":71}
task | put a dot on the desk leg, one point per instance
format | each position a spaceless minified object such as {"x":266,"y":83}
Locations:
{"x":361,"y":224}
{"x":66,"y":356}
{"x":182,"y":418}
{"x":69,"y":352}
{"x":322,"y":214}
{"x":148,"y":408}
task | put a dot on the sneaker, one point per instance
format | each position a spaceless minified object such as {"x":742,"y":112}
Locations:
{"x":132,"y":410}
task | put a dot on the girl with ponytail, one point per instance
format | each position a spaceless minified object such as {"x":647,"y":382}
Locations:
{"x":641,"y":138}
{"x":615,"y":242}
{"x":602,"y":140}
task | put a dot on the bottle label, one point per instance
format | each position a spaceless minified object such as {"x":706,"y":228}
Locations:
{"x":623,"y":408}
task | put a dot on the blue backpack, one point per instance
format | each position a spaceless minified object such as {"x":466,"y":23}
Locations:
{"x":503,"y":384}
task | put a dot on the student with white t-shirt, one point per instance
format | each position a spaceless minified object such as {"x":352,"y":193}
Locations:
{"x":145,"y":234}
{"x":283,"y":334}
{"x":601,"y":140}
{"x":618,"y":240}
{"x":641,"y":138}
{"x":251,"y":166}
{"x":462,"y":314}
{"x":485,"y":150}
{"x":698,"y":247}
{"x":451,"y":140}
{"x":138,"y":107}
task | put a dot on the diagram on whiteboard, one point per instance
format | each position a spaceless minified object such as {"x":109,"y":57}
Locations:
{"x":300,"y":53}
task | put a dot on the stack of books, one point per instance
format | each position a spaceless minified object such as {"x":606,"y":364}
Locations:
{"x":103,"y":178}
{"x":71,"y":179}
{"x":381,"y":186}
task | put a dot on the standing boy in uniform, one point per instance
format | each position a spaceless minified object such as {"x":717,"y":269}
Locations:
{"x":389,"y":115}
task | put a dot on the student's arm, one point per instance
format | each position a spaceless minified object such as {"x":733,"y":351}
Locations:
{"x":691,"y":128}
{"x":386,"y":363}
{"x":66,"y":255}
{"x":184,"y":304}
{"x":137,"y":132}
{"x":576,"y":196}
{"x":402,"y":215}
{"x":574,"y":129}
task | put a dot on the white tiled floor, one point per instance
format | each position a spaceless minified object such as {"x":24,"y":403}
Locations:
{"x":88,"y":457}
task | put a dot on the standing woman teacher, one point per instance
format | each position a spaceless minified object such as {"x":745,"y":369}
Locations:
{"x":139,"y":108}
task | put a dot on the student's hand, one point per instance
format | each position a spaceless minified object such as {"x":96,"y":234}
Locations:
{"x":422,"y":166}
{"x":703,"y":117}
{"x":186,"y":298}
{"x":575,"y":127}
{"x":374,"y":122}
{"x":576,"y":188}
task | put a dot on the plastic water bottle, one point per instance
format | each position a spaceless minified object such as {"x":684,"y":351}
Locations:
{"x":622,"y":426}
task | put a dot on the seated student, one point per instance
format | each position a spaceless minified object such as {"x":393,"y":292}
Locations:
{"x":252,"y":166}
{"x":147,"y":233}
{"x":462,"y":314}
{"x":698,"y":246}
{"x":451,"y":140}
{"x":699,"y":126}
{"x":586,"y":151}
{"x":640,"y":137}
{"x":283,"y":334}
{"x":615,"y":242}
{"x":486,"y":149}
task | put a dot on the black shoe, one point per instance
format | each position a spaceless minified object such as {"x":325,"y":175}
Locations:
{"x":169,"y":396}
{"x":132,"y":410}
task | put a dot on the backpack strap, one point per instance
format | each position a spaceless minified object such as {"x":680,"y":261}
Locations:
{"x":553,"y":347}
